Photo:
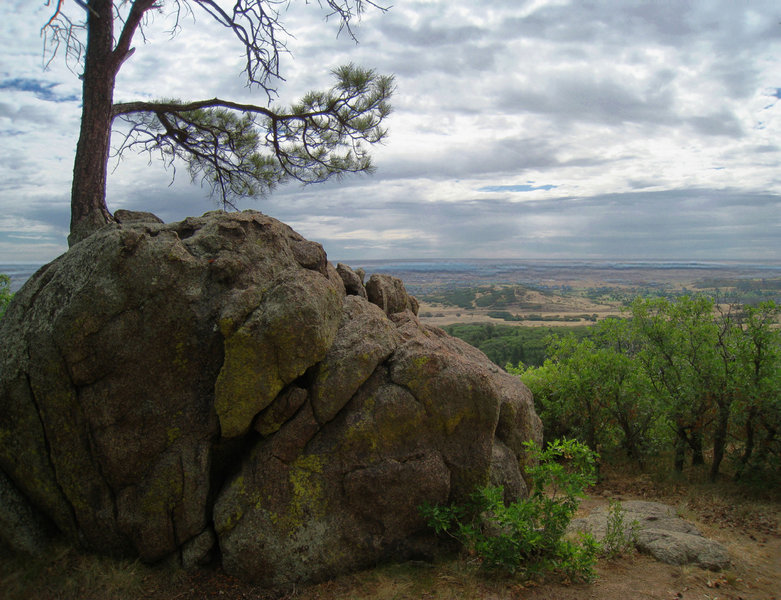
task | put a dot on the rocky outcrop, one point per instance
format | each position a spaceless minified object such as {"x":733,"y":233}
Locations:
{"x":353,"y":281}
{"x":389,"y":294}
{"x":214,"y":387}
{"x":658,"y":531}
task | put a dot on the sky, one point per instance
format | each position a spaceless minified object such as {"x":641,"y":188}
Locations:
{"x":521,"y":129}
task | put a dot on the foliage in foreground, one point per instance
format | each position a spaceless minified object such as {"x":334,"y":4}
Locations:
{"x":526,"y":537}
{"x":620,"y":536}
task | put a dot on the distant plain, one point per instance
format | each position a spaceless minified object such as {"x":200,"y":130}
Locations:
{"x":566,"y":292}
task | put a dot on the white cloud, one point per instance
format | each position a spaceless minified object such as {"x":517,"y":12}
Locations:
{"x":657,"y":125}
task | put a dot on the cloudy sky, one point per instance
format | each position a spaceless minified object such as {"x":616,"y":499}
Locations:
{"x":522,"y":129}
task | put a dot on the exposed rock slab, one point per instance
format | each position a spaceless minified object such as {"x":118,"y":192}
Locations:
{"x":658,"y":531}
{"x":210,"y":388}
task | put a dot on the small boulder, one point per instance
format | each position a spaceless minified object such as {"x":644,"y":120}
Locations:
{"x":390,"y":295}
{"x":127,"y":217}
{"x":353,"y":282}
{"x":197,"y":551}
{"x":658,"y":531}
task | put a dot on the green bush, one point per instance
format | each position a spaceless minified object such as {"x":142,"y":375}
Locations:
{"x":595,"y":390}
{"x":620,"y":536}
{"x":526,"y":537}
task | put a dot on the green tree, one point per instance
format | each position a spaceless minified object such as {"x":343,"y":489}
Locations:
{"x":708,"y":374}
{"x":692,"y":355}
{"x":757,"y":412}
{"x":5,"y":293}
{"x":630,"y":404}
{"x":575,"y":394}
{"x":593,"y":389}
{"x":726,"y":379}
{"x":548,"y":387}
{"x":505,"y":344}
{"x":236,"y":149}
{"x":677,"y":354}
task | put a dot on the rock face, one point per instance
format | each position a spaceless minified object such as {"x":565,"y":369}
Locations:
{"x":658,"y":531}
{"x":22,"y":529}
{"x":209,"y":387}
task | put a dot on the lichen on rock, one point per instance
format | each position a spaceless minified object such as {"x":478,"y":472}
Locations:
{"x":216,"y":388}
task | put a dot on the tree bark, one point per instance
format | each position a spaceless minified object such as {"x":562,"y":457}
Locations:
{"x":88,"y":193}
{"x":681,"y":440}
{"x":748,"y":450}
{"x":695,"y":442}
{"x":719,"y":440}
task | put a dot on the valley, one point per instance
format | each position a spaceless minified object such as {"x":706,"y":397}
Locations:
{"x":544,"y":293}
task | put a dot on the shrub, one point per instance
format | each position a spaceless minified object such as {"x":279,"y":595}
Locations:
{"x":526,"y":537}
{"x":620,"y":536}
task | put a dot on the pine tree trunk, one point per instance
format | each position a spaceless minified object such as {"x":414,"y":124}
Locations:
{"x":88,"y":194}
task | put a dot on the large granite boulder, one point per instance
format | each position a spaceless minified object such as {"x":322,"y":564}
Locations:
{"x":209,"y":388}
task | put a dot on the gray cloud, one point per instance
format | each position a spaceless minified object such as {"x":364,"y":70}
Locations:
{"x":577,"y":96}
{"x":725,"y":123}
{"x":477,"y":157}
{"x":39,"y":114}
{"x":635,"y":129}
{"x":697,"y":223}
{"x":430,"y":34}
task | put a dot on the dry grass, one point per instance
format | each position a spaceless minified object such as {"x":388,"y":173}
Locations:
{"x":66,"y":573}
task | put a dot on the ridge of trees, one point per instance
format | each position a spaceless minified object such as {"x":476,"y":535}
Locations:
{"x":512,"y":344}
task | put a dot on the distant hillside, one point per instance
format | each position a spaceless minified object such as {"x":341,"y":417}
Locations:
{"x":511,"y":304}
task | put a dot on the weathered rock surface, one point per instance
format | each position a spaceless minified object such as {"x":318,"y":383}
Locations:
{"x":353,"y":281}
{"x":134,"y":216}
{"x":209,"y":388}
{"x":389,"y":294}
{"x":22,"y":529}
{"x":658,"y":531}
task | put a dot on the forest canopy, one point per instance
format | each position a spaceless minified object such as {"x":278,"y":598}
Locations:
{"x":685,"y":378}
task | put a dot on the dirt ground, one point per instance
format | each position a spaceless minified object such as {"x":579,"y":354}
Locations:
{"x":749,"y":530}
{"x":748,"y":527}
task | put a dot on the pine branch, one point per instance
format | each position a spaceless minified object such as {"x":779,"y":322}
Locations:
{"x":243,"y":149}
